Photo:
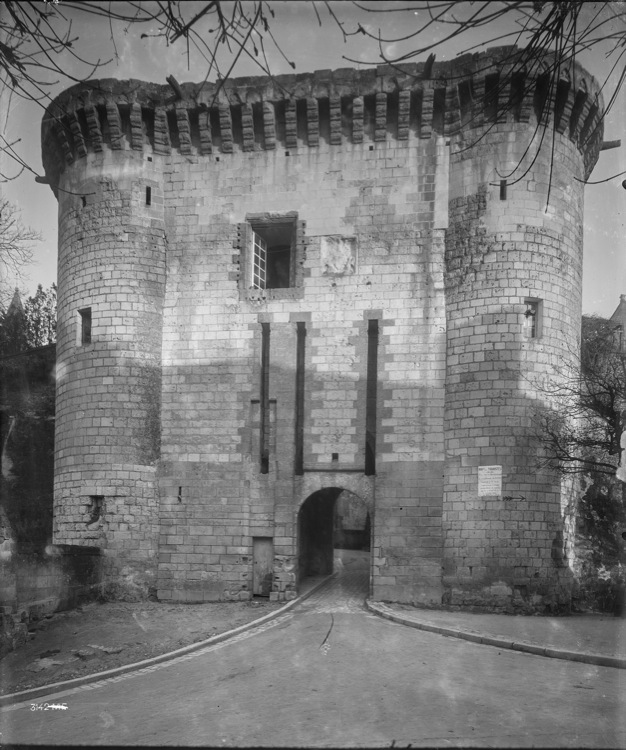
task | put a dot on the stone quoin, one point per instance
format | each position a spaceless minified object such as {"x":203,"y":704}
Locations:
{"x":276,"y":293}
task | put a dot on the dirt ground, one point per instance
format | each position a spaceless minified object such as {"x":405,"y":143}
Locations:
{"x":97,"y":637}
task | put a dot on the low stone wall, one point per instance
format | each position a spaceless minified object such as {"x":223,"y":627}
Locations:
{"x":32,"y":586}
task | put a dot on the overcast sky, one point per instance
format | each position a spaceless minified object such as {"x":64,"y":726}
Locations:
{"x":310,"y":47}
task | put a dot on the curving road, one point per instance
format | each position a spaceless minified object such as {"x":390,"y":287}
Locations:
{"x":328,"y":673}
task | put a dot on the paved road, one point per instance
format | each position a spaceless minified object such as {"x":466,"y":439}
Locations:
{"x":328,"y":673}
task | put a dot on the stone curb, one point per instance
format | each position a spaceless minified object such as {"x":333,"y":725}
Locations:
{"x":55,"y":687}
{"x":598,"y":660}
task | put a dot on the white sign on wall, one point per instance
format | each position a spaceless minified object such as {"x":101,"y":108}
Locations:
{"x":489,"y":480}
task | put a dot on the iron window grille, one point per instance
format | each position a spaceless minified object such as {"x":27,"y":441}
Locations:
{"x":271,"y":249}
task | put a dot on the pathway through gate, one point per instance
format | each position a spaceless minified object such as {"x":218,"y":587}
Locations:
{"x":347,"y":589}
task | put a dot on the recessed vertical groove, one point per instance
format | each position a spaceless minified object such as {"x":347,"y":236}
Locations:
{"x":563,"y":106}
{"x":439,"y":111}
{"x":300,"y":364}
{"x":370,"y":404}
{"x":264,"y":398}
{"x":492,"y":97}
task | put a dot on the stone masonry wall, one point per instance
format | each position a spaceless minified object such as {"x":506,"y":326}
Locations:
{"x":111,"y":260}
{"x":214,"y":498}
{"x":179,"y":425}
{"x":504,"y":249}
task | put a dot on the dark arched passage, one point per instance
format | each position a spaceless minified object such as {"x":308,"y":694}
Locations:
{"x":330,"y":522}
{"x":315,"y":533}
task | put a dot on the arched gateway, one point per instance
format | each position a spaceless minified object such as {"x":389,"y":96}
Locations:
{"x":334,"y":532}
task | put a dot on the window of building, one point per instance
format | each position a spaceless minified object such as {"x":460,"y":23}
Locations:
{"x":95,"y":509}
{"x":85,"y":325}
{"x":270,"y":249}
{"x":532,"y":318}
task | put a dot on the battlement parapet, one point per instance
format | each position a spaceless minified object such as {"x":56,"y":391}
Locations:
{"x":345,"y":105}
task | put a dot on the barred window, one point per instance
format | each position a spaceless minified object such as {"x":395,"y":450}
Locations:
{"x":259,"y":262}
{"x":271,"y":247}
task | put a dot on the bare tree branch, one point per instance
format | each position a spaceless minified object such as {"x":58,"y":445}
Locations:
{"x":580,"y":431}
{"x":35,"y":37}
{"x":16,"y":242}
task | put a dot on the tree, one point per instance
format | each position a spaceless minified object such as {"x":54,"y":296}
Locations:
{"x":41,"y":317}
{"x":27,"y":396}
{"x":40,"y":46}
{"x":580,"y":433}
{"x":29,"y":326}
{"x":13,"y":328}
{"x":15,"y":246}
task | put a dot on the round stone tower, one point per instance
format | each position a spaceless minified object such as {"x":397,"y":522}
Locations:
{"x":101,"y":165}
{"x":513,"y":308}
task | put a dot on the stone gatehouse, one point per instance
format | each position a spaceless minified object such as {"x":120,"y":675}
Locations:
{"x":281,"y":290}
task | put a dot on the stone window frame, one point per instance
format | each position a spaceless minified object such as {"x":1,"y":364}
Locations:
{"x":533,"y":318}
{"x":96,"y":511}
{"x":245,"y":242}
{"x":84,"y":335}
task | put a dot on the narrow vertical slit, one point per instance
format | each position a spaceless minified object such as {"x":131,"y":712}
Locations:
{"x":503,"y":187}
{"x":300,"y":351}
{"x":465,"y":101}
{"x":85,"y":325}
{"x":439,"y":111}
{"x":491,"y":97}
{"x":264,"y":397}
{"x":370,"y":405}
